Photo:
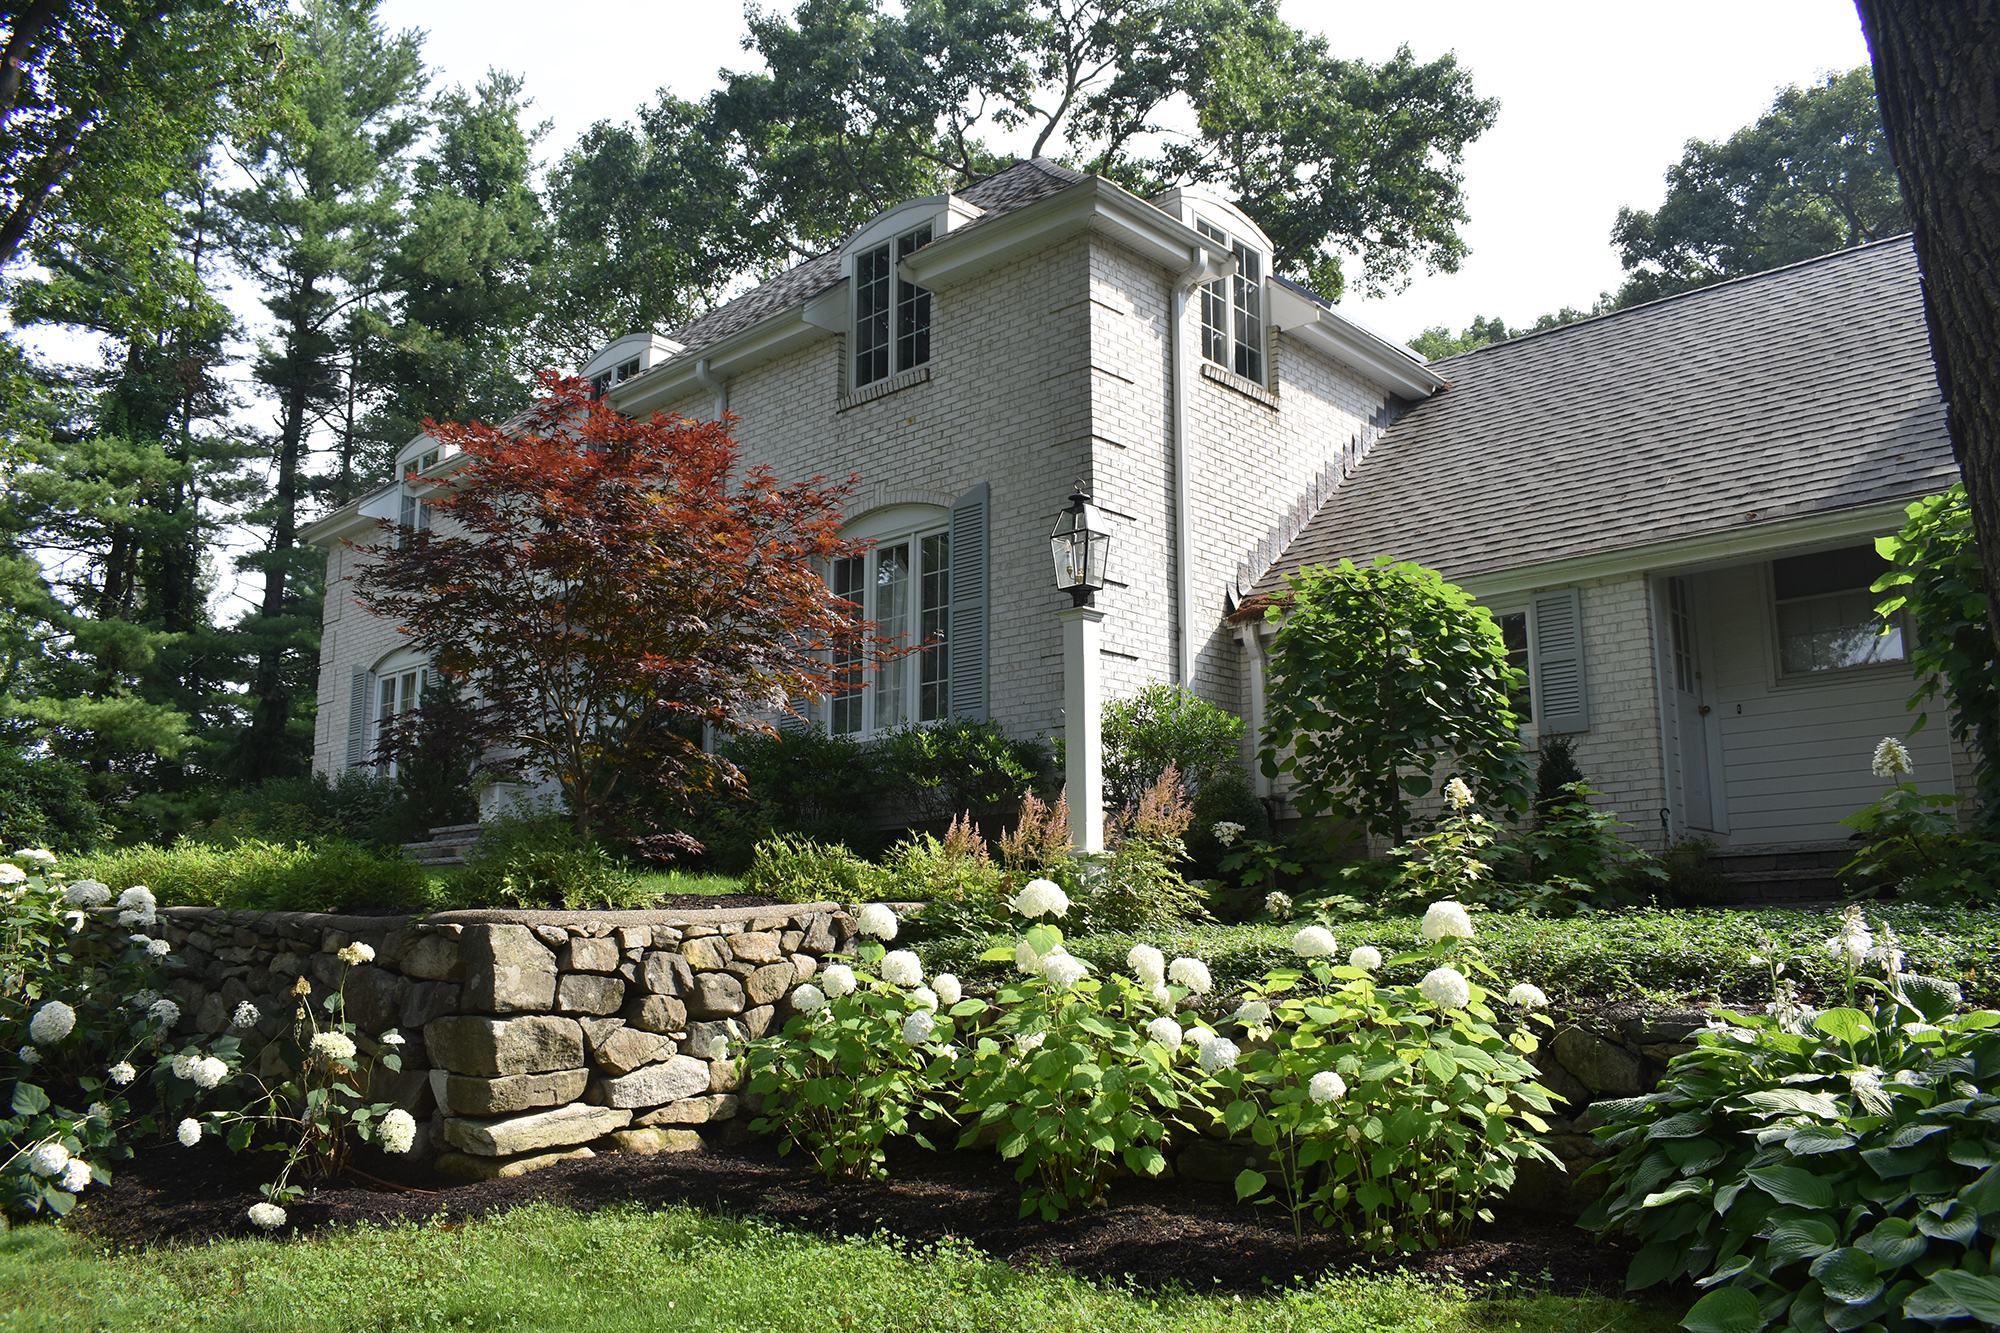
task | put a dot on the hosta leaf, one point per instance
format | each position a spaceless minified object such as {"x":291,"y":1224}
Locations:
{"x":1848,"y":1025}
{"x":1693,"y":1155}
{"x":1686,"y":1125}
{"x":1975,"y":1153}
{"x":1791,"y":1101}
{"x":1848,"y":1275}
{"x":1933,"y":997}
{"x":1893,"y":1163}
{"x":1789,"y":1184}
{"x":1724,"y":1310}
{"x":1819,"y":1138}
{"x":1797,"y":1238}
{"x":1911,"y":1135}
{"x":1953,"y":1220}
{"x":1654,"y":1263}
{"x":1680,"y":1189}
{"x":1894,"y":1243}
{"x":1977,"y":1297}
{"x":1983,"y":1194}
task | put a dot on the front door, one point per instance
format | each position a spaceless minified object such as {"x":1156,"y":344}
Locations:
{"x":1689,"y":712}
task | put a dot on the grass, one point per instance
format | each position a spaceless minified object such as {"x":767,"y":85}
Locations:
{"x":1660,"y":955}
{"x":660,"y":883}
{"x":626,"y":1269}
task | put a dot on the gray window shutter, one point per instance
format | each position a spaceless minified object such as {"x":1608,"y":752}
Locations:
{"x":970,"y":603}
{"x":1562,"y":690}
{"x":357,"y":717}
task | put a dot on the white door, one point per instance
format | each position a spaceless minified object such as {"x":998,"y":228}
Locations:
{"x":1689,"y":712}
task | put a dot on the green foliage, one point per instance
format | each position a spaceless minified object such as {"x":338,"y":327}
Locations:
{"x":1820,"y":1169}
{"x":963,"y":766}
{"x":1166,"y":726}
{"x":798,"y":870}
{"x":1939,"y":588}
{"x":1379,"y":677}
{"x":956,"y":877}
{"x":1437,"y":342}
{"x":1070,"y":1083}
{"x":1915,"y":846}
{"x":328,"y":875}
{"x":357,"y":804}
{"x":541,"y":861}
{"x":1137,"y":882}
{"x":45,"y":802}
{"x":437,"y":756}
{"x":800,"y":781}
{"x":1812,"y":175}
{"x":1573,"y":859}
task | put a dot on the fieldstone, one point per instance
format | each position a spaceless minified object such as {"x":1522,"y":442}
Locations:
{"x":464,"y":1095}
{"x":667,"y":974}
{"x":790,"y":940}
{"x":1665,"y":1051}
{"x":757,"y":947}
{"x":705,"y":955}
{"x":536,"y":1131}
{"x":1559,"y":1080}
{"x":804,"y":964}
{"x":702,"y":1036}
{"x":597,"y":1031}
{"x":553,"y":936}
{"x":588,"y":993}
{"x":656,"y":1013}
{"x":426,"y":1000}
{"x":716,"y":995}
{"x":1669,"y":1025}
{"x":494,"y":1048}
{"x":756,"y":1022}
{"x":702,"y":1110}
{"x":491,"y":1168}
{"x":632,"y":938}
{"x":1605,"y":1069}
{"x":431,"y":957}
{"x":770,"y":984}
{"x":666,"y":937}
{"x":629,"y":1048}
{"x":1551,"y":1189}
{"x":724,"y":1076}
{"x":213,"y":1015}
{"x":678,"y":1076}
{"x":374,"y":998}
{"x":647,"y":1142}
{"x":506,"y":969}
{"x":819,"y":934}
{"x":589,"y":955}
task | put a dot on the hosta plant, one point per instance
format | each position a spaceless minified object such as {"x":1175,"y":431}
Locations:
{"x":1394,"y":1113}
{"x":1821,"y":1170}
{"x":866,"y":1049}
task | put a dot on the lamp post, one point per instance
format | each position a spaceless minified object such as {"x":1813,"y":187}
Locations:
{"x":1082,"y":548}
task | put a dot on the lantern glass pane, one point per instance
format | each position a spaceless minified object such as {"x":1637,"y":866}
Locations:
{"x":1097,"y":559}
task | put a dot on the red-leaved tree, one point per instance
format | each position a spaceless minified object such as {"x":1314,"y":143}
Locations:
{"x":611,"y":586}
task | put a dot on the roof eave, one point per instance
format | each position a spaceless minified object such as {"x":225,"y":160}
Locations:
{"x":770,"y":337}
{"x":1349,"y":343}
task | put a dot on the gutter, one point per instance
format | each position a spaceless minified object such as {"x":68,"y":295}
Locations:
{"x":716,"y":388}
{"x":1204,"y":266}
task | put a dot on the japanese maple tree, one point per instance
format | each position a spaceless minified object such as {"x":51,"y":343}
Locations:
{"x":610,"y":586}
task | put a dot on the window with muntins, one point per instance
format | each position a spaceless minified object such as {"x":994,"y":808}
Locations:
{"x":903,"y":583}
{"x":1826,"y":614}
{"x":397,"y":692}
{"x":892,"y":318}
{"x":1514,"y":633}
{"x":1232,"y":310}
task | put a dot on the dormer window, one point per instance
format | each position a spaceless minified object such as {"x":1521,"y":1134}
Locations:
{"x":1232,"y":310}
{"x":618,"y":374}
{"x":892,"y":318}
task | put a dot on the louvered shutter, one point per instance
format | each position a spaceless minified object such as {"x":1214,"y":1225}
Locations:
{"x":1562,"y":689}
{"x":357,"y":717}
{"x":970,"y":604}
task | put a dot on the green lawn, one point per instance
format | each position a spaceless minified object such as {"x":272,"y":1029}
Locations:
{"x":626,"y":1269}
{"x":680,"y":881}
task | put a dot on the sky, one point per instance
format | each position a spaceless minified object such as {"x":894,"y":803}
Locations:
{"x":1596,"y":102}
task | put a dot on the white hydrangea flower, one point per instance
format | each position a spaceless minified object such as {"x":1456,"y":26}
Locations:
{"x":1029,"y":1042}
{"x":121,"y":1073}
{"x":1456,"y":794}
{"x":1147,"y":963}
{"x":48,"y":1159}
{"x":839,"y":979}
{"x":902,"y":968}
{"x":399,"y":1131}
{"x":333,"y":1045}
{"x":1161,"y":995}
{"x":1165,"y":1031}
{"x":949,"y":992}
{"x":138,"y":898}
{"x":1042,"y":897}
{"x":918,"y":1027}
{"x":159,"y":948}
{"x":1447,"y":988}
{"x":1892,"y":759}
{"x":1062,"y":971}
{"x":87,"y":893}
{"x":165,"y":1012}
{"x":391,"y":1039}
{"x":267,"y":1215}
{"x":209,"y":1072}
{"x":75,"y":1176}
{"x":355,"y":954}
{"x":1251,"y":1012}
{"x":189,"y":1132}
{"x":1226,"y":832}
{"x":1278,"y":904}
{"x":1199,"y":1035}
{"x":1326,"y":1086}
{"x":1191,"y":973}
{"x":1026,"y":959}
{"x":1367,"y":958}
{"x":1314,"y":942}
{"x":12,"y":874}
{"x":246,"y":1015}
{"x":27,"y":1055}
{"x":76,"y":919}
{"x":98,"y":1111}
{"x":1446,"y":920}
{"x":184,"y":1065}
{"x":51,"y":1023}
{"x":1528,"y":996}
{"x":1218,"y":1055}
{"x":40,"y":856}
{"x":877,"y":922}
{"x":144,"y":999}
{"x":808,"y":999}
{"x":923,"y":997}
{"x":718,"y":1048}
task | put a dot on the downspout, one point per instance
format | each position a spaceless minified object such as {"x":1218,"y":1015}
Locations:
{"x":1251,"y":636}
{"x":1205,"y":267}
{"x":716,"y":388}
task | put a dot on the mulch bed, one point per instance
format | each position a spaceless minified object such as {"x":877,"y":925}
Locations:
{"x":1153,"y":1233}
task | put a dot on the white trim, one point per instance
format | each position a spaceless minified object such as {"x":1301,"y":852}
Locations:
{"x":1353,"y":345}
{"x":1188,"y":202}
{"x":945,"y":213}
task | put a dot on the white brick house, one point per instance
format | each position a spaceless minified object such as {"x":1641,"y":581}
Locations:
{"x":970,"y":357}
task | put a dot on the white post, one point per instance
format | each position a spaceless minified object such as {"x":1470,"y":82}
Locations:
{"x":1083,"y":726}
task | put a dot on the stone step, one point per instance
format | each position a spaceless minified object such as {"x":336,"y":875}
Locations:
{"x":448,"y":832}
{"x":1817,"y":873}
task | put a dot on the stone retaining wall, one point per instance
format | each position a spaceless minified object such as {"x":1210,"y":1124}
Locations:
{"x":529,"y":1035}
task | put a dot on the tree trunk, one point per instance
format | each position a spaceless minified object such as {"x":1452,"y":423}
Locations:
{"x":1937,"y":77}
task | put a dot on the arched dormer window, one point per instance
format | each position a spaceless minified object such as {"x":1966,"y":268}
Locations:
{"x":634,"y":354}
{"x":892,"y":316}
{"x":1232,"y":309}
{"x":418,"y":457}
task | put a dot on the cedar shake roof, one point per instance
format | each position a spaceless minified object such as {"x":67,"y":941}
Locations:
{"x":1016,"y":187}
{"x":1798,"y":391}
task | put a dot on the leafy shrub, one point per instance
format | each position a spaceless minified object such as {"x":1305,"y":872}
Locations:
{"x":1915,"y":845}
{"x":1136,"y":883}
{"x":1691,"y":877}
{"x":946,"y":769}
{"x":1228,"y":800}
{"x":799,"y":870}
{"x":359,"y":805}
{"x":1162,"y":727}
{"x":45,"y":802}
{"x":328,"y":876}
{"x":1821,"y":1170}
{"x":797,"y":781}
{"x":540,"y":861}
{"x":438,"y":754}
{"x":1573,"y":859}
{"x":965,"y":890}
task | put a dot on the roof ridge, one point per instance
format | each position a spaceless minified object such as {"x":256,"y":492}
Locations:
{"x":1705,"y":289}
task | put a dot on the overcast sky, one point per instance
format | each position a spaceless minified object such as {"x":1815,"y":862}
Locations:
{"x":1596,"y":101}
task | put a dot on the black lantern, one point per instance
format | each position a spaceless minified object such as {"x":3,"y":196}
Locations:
{"x":1081,"y":548}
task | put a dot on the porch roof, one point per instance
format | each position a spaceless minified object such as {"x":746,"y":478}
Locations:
{"x":1762,"y":401}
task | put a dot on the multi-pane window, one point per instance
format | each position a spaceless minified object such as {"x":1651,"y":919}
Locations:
{"x":397,"y":692}
{"x":904,"y":583}
{"x":1826,"y":614}
{"x":892,"y":318}
{"x":619,"y":373}
{"x":1232,"y":310}
{"x":1514,"y":633}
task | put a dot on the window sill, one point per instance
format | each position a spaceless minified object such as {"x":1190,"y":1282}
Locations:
{"x":883,"y":388}
{"x":1229,"y":379}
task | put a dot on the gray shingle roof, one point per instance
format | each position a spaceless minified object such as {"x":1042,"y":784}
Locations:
{"x":1798,"y":391}
{"x":1017,"y":186}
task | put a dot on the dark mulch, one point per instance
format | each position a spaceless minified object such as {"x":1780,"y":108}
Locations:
{"x":1154,"y":1232}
